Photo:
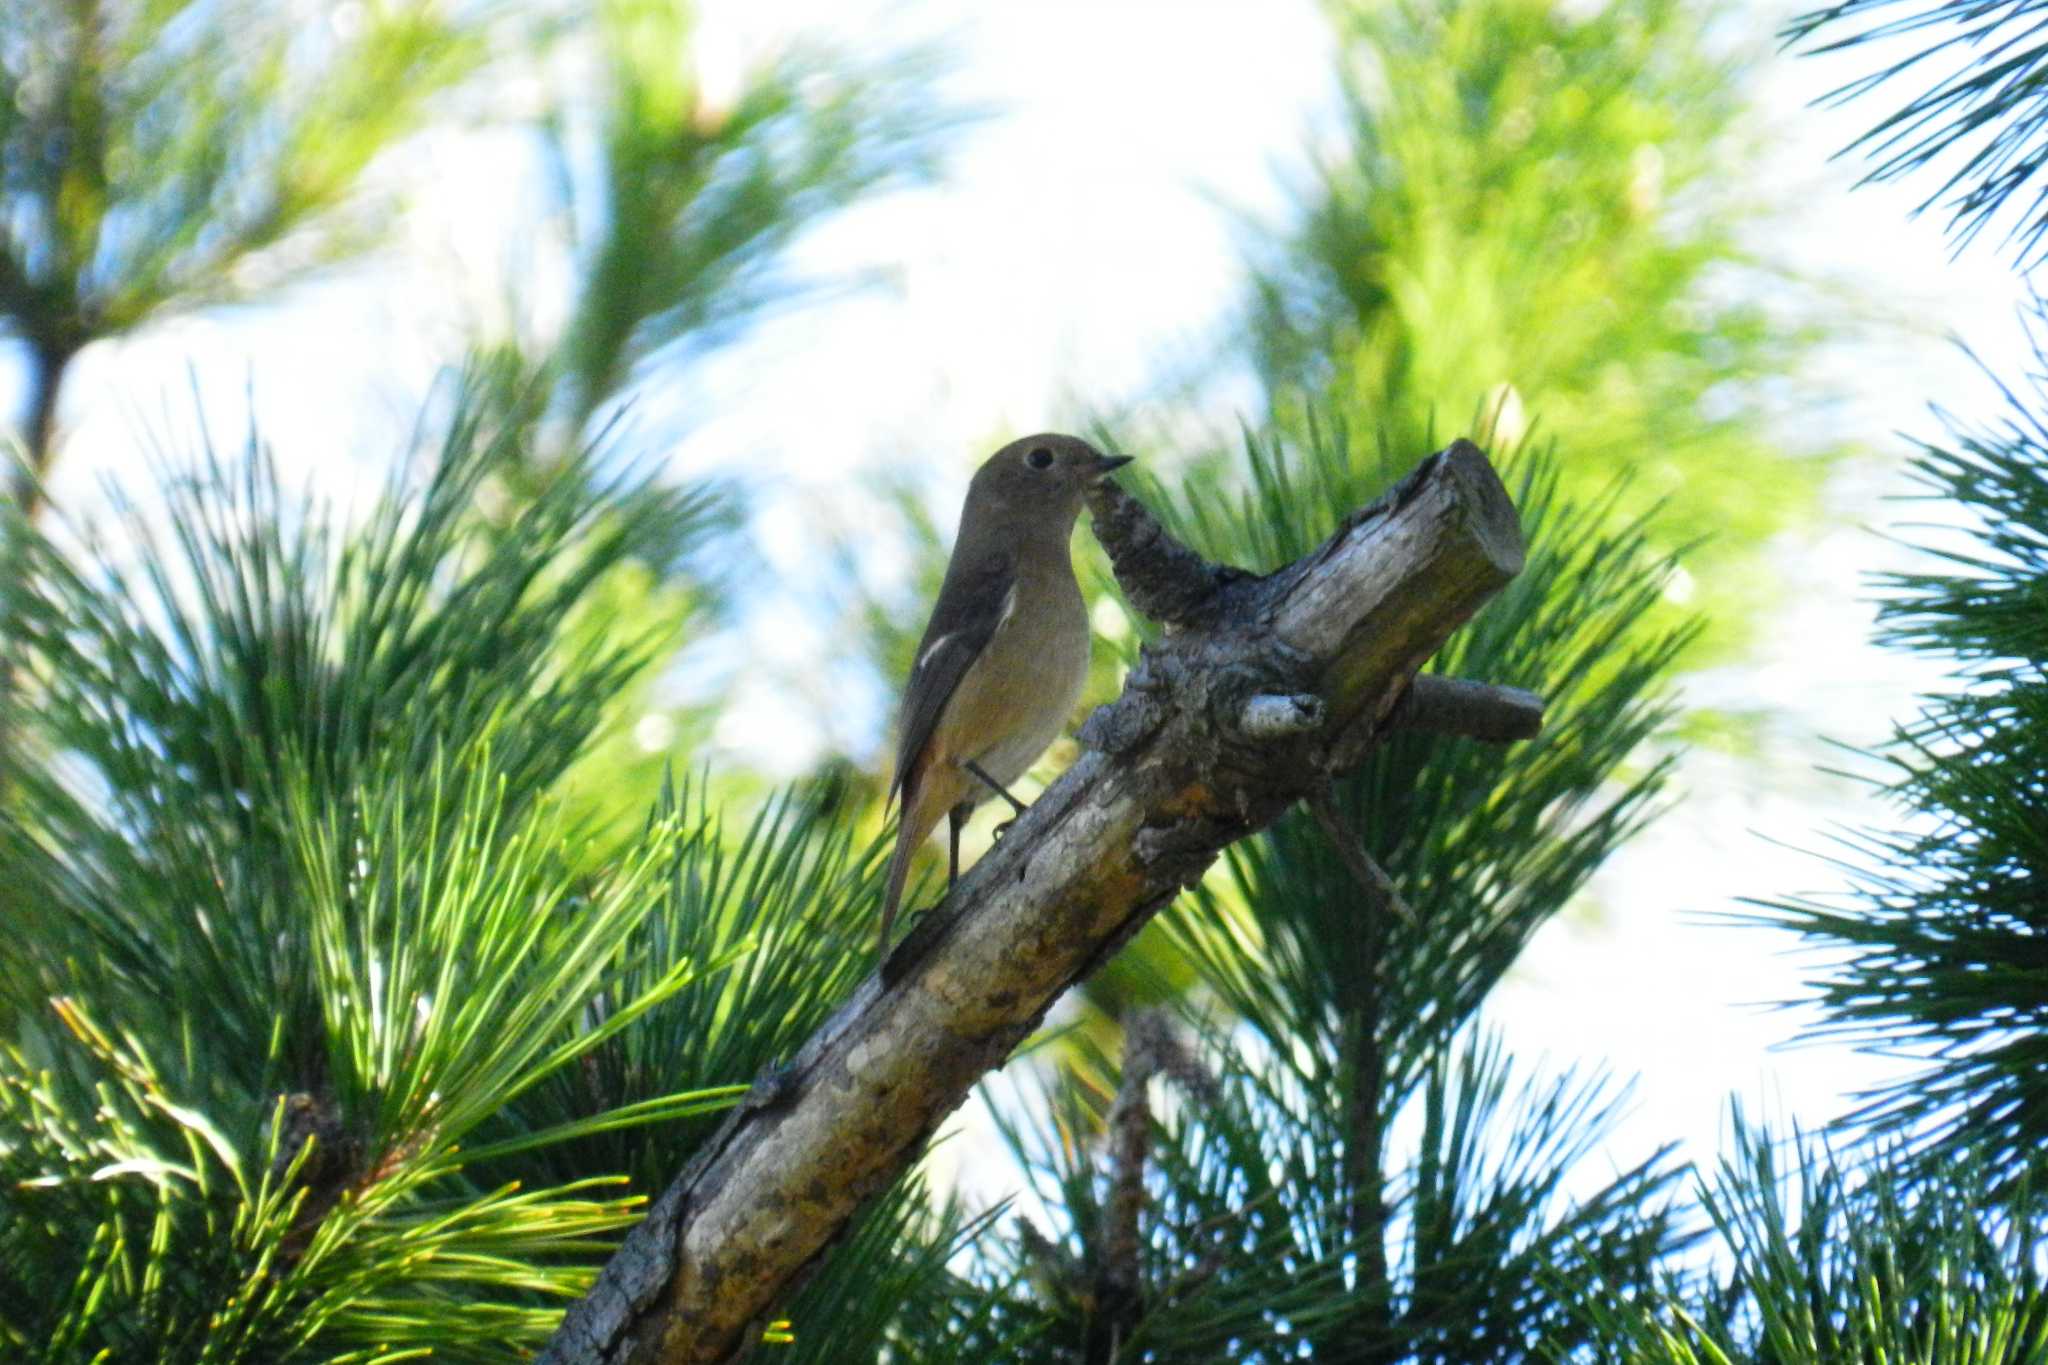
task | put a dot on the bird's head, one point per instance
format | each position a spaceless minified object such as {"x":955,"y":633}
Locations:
{"x":1040,"y":479}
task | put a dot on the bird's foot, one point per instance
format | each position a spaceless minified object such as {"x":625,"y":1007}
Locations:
{"x":919,"y":924}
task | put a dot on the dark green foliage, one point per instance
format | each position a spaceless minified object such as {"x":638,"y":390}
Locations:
{"x":1236,"y":1258}
{"x":1947,"y":921}
{"x":1252,"y":1243}
{"x":1831,"y":1259}
{"x":1980,"y":63}
{"x":1252,"y":1249}
{"x":336,"y":1036}
{"x":1504,"y":1261}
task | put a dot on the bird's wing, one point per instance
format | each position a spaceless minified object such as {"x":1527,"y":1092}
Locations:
{"x":973,"y":602}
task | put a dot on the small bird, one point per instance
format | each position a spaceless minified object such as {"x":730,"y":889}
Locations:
{"x":1006,"y":651}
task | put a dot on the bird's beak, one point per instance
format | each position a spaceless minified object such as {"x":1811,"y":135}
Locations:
{"x":1105,"y":464}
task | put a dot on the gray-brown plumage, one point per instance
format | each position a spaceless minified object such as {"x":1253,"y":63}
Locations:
{"x":1004,"y":656}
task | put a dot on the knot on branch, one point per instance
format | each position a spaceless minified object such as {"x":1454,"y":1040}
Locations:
{"x":1120,"y":726}
{"x":1163,"y":578}
{"x":1265,"y":715}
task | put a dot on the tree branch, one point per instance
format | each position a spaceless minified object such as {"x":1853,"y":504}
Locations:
{"x":1171,"y":774}
{"x":1164,"y":579}
{"x":1150,"y":1049}
{"x":1380,"y":891}
{"x":1475,"y":710}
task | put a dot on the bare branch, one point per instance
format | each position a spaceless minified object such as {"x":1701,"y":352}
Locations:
{"x":1266,"y":716}
{"x":1150,"y":1049}
{"x":1475,"y":710}
{"x":1118,"y":1280}
{"x":1163,"y":578}
{"x":1168,"y":780}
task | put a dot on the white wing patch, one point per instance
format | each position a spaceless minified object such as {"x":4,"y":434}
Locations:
{"x":934,"y":648}
{"x":1003,"y":619}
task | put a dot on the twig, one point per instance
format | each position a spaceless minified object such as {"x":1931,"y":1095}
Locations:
{"x":1475,"y":710}
{"x":1370,"y":876}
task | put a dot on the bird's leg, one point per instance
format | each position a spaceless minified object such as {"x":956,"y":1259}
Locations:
{"x":999,"y":790}
{"x":993,"y":785}
{"x":956,"y":820}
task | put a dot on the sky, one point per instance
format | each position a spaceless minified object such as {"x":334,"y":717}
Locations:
{"x":1078,"y":250}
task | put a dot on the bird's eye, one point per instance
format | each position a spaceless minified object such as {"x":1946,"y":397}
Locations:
{"x":1039,"y":458}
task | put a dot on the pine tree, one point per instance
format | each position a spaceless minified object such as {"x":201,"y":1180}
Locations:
{"x":334,"y":1034}
{"x":347,"y":1015}
{"x":342,"y":1025}
{"x":164,"y":158}
{"x":1944,"y":924}
{"x":1916,"y":1233}
{"x":1978,"y":116}
{"x":1915,"y":1230}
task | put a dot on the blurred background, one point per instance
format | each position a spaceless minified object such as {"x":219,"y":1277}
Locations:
{"x":1047,"y":217}
{"x":792,"y":271}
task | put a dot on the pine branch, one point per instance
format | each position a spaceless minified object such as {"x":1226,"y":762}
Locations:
{"x":1978,"y":110}
{"x":1168,"y":780}
{"x":1476,"y":710}
{"x":1150,"y":1049}
{"x":1380,"y":891}
{"x":1935,"y":949}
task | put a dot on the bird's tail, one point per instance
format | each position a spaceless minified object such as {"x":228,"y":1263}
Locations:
{"x":899,"y":870}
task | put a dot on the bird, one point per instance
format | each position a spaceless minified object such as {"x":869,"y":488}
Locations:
{"x":1004,"y":655}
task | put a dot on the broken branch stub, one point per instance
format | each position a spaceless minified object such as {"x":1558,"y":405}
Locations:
{"x":1171,"y":773}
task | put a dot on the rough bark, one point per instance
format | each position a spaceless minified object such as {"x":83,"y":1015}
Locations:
{"x":1150,"y":1049}
{"x":1118,"y":1281}
{"x":1181,"y":765}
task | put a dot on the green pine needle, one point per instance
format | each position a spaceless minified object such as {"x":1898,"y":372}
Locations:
{"x":1945,"y":918}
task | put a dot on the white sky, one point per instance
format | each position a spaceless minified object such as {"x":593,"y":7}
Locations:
{"x":1077,"y":250}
